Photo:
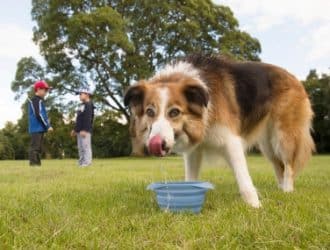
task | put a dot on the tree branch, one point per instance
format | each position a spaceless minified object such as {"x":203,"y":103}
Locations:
{"x":104,"y":81}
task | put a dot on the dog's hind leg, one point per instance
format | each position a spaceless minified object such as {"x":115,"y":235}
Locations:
{"x":192,"y":161}
{"x":278,"y":148}
{"x":290,"y":138}
{"x":234,"y":154}
{"x":292,"y":150}
{"x":288,"y":152}
{"x":278,"y":166}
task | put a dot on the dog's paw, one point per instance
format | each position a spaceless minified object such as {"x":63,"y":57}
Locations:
{"x":287,"y":187}
{"x":251,"y":198}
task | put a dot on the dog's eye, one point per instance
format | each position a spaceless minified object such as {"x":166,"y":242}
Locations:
{"x":150,"y":112}
{"x":174,"y":113}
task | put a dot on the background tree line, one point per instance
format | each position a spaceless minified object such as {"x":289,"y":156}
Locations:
{"x":113,"y":43}
{"x":111,"y":138}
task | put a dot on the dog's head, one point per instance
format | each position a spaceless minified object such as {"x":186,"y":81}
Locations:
{"x":171,"y":113}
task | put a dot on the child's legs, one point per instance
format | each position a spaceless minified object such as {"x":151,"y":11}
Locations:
{"x":35,"y":148}
{"x":86,"y":143}
{"x":80,"y":149}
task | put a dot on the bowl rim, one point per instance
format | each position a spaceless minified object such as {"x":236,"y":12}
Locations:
{"x":199,"y":184}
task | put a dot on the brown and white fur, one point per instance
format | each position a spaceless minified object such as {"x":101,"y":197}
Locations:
{"x":207,"y":104}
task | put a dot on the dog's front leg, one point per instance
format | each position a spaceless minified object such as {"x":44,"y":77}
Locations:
{"x":192,"y":162}
{"x":235,"y":156}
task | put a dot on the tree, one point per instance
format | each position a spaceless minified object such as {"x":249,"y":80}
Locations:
{"x":113,"y":43}
{"x":58,"y":144}
{"x":28,"y":71}
{"x":318,"y":88}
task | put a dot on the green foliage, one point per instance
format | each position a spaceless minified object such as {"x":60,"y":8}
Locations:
{"x":110,"y":138}
{"x":6,"y":148}
{"x":318,"y":88}
{"x":58,"y":144}
{"x":28,"y":71}
{"x":15,"y":141}
{"x":107,"y":206}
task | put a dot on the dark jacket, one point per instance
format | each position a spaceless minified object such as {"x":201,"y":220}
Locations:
{"x":38,"y":119}
{"x":85,"y":117}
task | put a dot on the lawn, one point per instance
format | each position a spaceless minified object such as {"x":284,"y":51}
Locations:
{"x":107,"y":206}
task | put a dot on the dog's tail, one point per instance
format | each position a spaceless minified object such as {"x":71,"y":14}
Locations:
{"x":304,"y":142}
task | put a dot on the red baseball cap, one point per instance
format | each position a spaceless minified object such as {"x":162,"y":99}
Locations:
{"x":40,"y":85}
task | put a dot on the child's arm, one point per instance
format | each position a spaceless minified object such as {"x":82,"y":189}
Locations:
{"x":36,"y":103}
{"x":88,"y":117}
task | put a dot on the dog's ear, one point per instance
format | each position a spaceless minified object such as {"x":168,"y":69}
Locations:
{"x":197,"y":94}
{"x":134,"y":97}
{"x":197,"y":97}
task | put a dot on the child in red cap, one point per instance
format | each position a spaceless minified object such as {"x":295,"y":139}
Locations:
{"x":38,"y":121}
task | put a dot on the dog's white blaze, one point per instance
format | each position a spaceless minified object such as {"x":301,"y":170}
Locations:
{"x":162,"y":126}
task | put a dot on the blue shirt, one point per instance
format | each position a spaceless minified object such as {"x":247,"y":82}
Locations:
{"x":38,"y":119}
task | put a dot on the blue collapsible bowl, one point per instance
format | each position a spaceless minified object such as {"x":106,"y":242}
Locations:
{"x":180,"y":196}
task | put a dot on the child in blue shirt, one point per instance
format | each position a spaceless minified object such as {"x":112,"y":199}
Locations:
{"x":38,"y":122}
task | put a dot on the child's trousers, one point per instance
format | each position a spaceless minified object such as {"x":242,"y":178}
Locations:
{"x":84,"y":149}
{"x":35,"y":149}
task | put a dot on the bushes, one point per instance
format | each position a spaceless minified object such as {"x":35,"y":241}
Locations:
{"x":110,"y":138}
{"x":318,"y":88}
{"x":6,"y":149}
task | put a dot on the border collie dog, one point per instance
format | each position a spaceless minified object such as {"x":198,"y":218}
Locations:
{"x":203,"y":105}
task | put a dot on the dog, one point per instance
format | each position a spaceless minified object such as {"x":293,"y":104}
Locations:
{"x":202,"y":105}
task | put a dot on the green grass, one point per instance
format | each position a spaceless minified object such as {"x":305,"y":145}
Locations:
{"x":107,"y":206}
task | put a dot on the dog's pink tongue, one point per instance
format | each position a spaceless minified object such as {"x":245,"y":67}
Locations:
{"x":155,"y":146}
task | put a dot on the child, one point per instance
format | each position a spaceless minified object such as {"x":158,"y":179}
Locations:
{"x":38,"y":122}
{"x":83,"y":128}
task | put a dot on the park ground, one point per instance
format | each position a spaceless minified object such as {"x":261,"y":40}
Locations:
{"x":60,"y":206}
